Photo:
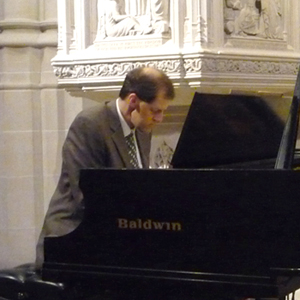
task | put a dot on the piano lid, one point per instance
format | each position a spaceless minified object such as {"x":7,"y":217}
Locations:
{"x":227,"y":130}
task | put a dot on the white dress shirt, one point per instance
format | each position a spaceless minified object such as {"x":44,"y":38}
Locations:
{"x":127,"y":131}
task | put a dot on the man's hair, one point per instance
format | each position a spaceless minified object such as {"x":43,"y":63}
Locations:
{"x":146,"y":83}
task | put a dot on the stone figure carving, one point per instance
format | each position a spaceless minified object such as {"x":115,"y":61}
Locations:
{"x":254,"y":17}
{"x":234,"y":4}
{"x":247,"y":21}
{"x":118,"y":18}
{"x":270,"y":22}
{"x":136,"y":7}
{"x":159,"y":11}
{"x":117,"y":23}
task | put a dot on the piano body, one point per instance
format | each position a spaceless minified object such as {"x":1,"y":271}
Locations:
{"x":201,"y":229}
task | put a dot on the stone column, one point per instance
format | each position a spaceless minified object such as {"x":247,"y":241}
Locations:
{"x":34,"y":117}
{"x":64,"y":26}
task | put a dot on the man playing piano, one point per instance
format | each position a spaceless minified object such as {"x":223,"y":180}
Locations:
{"x":97,"y":139}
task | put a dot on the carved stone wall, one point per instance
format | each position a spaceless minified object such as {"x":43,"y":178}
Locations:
{"x":227,"y":44}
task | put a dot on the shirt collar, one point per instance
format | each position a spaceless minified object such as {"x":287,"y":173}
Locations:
{"x":125,"y":127}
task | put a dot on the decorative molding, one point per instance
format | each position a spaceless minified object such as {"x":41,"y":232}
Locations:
{"x":256,"y":43}
{"x":188,"y":66}
{"x":112,"y":69}
{"x":28,"y":38}
{"x":28,"y":33}
{"x":131,"y":42}
{"x":27,"y":24}
{"x":249,"y":67}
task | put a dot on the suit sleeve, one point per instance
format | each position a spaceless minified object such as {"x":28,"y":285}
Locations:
{"x":84,"y":147}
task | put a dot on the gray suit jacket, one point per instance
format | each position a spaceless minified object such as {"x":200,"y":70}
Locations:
{"x":95,"y":140}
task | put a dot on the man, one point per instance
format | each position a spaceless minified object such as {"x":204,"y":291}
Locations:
{"x":97,"y":139}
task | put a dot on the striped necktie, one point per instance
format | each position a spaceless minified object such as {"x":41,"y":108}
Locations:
{"x":132,"y":150}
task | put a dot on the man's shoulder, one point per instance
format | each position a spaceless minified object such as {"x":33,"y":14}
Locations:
{"x":92,"y":110}
{"x":96,"y":111}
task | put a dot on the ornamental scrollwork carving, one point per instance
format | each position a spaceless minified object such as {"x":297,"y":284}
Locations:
{"x":190,"y":66}
{"x":239,"y":66}
{"x":193,"y":65}
{"x":113,"y":70}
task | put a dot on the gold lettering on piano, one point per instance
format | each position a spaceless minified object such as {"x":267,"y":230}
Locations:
{"x":148,"y":225}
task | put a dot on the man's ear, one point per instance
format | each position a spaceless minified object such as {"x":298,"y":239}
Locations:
{"x":134,"y":102}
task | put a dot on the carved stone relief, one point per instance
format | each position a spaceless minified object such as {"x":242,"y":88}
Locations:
{"x":114,"y":69}
{"x":187,"y":66}
{"x":184,"y":38}
{"x":123,"y":18}
{"x":163,"y":156}
{"x":259,"y":18}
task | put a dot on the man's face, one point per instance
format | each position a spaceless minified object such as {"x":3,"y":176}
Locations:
{"x":147,"y":115}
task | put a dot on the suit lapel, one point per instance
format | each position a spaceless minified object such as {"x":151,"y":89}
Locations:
{"x":117,"y":133}
{"x":143,"y":139}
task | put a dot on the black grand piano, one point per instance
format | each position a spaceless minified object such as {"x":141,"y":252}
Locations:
{"x":223,"y":222}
